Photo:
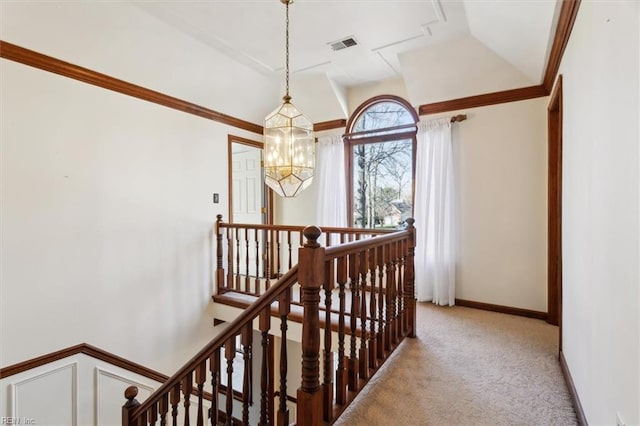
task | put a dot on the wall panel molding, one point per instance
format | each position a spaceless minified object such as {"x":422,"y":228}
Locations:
{"x":19,"y":386}
{"x":34,"y":59}
{"x":101,"y":375}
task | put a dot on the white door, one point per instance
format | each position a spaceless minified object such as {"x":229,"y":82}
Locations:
{"x":246,"y":198}
{"x":247,"y":184}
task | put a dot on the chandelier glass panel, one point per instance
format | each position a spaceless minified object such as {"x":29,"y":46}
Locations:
{"x":289,"y":152}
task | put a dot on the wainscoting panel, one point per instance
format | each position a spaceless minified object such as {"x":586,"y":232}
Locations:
{"x":48,"y":397}
{"x":109,"y":394}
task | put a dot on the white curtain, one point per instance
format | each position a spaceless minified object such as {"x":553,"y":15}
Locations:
{"x":435,"y":254}
{"x":332,"y":188}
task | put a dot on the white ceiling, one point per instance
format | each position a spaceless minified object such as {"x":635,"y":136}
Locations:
{"x":252,"y":33}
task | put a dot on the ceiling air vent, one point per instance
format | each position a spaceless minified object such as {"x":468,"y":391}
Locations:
{"x":343,"y":44}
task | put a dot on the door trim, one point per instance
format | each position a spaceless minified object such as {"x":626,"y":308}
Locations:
{"x":554,"y":264}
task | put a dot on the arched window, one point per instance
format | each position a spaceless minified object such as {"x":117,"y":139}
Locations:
{"x":381,"y":146}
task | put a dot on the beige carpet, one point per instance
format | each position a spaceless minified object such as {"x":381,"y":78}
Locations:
{"x":468,"y":367}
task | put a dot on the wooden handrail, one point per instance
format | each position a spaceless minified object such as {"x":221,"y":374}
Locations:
{"x":374,"y":278}
{"x":334,"y":252}
{"x":297,"y":228}
{"x":217,"y":342}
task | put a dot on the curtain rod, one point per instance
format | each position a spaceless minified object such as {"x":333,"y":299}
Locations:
{"x":456,"y":118}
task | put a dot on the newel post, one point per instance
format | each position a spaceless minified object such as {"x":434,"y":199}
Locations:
{"x":127,"y":409}
{"x":310,"y":276}
{"x":219,"y":269}
{"x":411,"y":279}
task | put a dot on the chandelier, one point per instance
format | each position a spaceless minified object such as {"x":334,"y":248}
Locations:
{"x":289,"y":156}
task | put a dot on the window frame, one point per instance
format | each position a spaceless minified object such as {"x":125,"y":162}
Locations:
{"x":351,"y":141}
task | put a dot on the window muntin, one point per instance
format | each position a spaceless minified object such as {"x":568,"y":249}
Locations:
{"x":382,"y":115}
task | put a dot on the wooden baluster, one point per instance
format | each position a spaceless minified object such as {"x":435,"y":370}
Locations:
{"x":394,"y":294}
{"x":219,"y":268}
{"x":152,"y":414}
{"x":341,"y":372}
{"x":247,"y":278}
{"x":284,"y":308}
{"x":373,"y":348}
{"x":404,"y":287}
{"x":130,"y":405}
{"x":271,"y":386}
{"x":353,"y":324}
{"x":310,"y":277}
{"x":201,"y":377}
{"x":229,"y":355}
{"x":279,"y":253}
{"x":237,"y":286}
{"x":264,"y":326}
{"x":388,"y":296}
{"x":410,"y":298}
{"x":164,"y":409}
{"x":247,"y":376}
{"x":229,"y":259}
{"x":327,"y":382}
{"x":175,"y":401}
{"x":363,"y":354}
{"x":290,"y":248}
{"x":257,"y":280}
{"x":400,"y":290}
{"x":266,"y":265}
{"x":214,"y":369}
{"x":381,"y":301}
{"x":187,"y":388}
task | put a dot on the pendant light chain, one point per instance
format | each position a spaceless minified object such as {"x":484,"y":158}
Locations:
{"x":289,"y":151}
{"x":287,"y":53}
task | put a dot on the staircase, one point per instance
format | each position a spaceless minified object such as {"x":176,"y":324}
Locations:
{"x":344,"y":302}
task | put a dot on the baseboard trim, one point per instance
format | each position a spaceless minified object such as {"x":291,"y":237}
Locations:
{"x":577,"y":406}
{"x":503,"y":309}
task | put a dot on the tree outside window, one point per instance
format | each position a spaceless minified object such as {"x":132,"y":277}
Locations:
{"x":381,"y":159}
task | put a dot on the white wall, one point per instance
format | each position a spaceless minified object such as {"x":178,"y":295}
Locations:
{"x":501,"y":154}
{"x":601,"y":210}
{"x":501,"y":157}
{"x":122,"y":40}
{"x":455,"y":69}
{"x":107,"y":216}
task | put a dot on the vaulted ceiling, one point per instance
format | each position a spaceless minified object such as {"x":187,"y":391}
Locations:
{"x":228,"y":55}
{"x":441,"y":49}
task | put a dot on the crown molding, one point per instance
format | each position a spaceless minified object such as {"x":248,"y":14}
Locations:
{"x":494,"y":98}
{"x":567,"y":18}
{"x":330,"y":125}
{"x":34,"y":59}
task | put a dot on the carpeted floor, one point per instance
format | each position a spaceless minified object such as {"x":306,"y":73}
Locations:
{"x":468,"y":367}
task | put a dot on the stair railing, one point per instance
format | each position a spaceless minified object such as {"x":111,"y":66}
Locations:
{"x":250,"y":256}
{"x":375,"y":285}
